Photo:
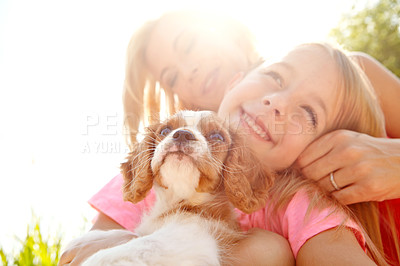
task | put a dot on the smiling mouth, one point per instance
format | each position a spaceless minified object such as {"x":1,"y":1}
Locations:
{"x":254,"y":127}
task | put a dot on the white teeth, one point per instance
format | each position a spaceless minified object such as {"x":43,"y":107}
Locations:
{"x":252,"y":124}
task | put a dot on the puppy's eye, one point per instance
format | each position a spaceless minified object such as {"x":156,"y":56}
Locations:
{"x":165,"y":131}
{"x":216,"y":137}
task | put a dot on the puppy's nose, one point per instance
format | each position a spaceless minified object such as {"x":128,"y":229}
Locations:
{"x":183,"y":136}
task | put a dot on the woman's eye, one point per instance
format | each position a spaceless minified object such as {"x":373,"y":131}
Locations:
{"x":165,"y":131}
{"x":216,"y":137}
{"x":275,"y":76}
{"x":190,"y":45}
{"x":311,"y":113}
{"x":186,"y":42}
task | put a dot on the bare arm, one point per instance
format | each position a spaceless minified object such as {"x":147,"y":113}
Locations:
{"x":261,"y":247}
{"x":104,"y":222}
{"x":333,"y":248}
{"x":387,"y":87}
{"x":80,"y":249}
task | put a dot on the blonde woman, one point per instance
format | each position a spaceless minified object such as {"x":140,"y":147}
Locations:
{"x":176,"y":55}
{"x":283,"y":109}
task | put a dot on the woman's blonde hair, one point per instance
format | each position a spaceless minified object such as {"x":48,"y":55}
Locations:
{"x":141,"y":95}
{"x":358,"y":110}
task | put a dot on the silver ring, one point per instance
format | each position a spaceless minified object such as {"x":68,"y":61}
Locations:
{"x":333,"y":182}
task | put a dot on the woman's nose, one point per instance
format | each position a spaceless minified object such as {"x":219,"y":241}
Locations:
{"x":190,"y":71}
{"x":275,"y":104}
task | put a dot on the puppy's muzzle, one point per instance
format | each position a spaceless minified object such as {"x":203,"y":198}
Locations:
{"x":182,"y":139}
{"x":182,"y":136}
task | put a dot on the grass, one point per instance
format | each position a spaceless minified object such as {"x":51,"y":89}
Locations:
{"x":35,"y":249}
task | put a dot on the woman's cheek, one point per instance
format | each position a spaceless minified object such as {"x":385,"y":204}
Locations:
{"x":227,"y":106}
{"x":295,"y":124}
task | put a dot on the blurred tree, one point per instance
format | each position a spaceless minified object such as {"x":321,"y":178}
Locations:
{"x":375,"y":30}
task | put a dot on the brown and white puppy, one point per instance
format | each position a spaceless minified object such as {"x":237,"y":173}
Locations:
{"x":199,"y":169}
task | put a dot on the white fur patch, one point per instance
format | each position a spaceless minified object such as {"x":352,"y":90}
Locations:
{"x":164,"y":246}
{"x":184,"y":166}
{"x":193,"y":118}
{"x":180,"y":176}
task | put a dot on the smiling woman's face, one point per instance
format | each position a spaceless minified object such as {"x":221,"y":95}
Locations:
{"x":193,"y":59}
{"x":283,"y":107}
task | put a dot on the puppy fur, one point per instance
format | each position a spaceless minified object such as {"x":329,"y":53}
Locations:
{"x":200,"y":170}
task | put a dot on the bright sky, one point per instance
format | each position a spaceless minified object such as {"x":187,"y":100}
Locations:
{"x":61,"y":74}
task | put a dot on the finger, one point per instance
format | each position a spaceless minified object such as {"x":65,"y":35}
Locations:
{"x":314,"y":151}
{"x":85,"y":254}
{"x":76,"y":255}
{"x":322,"y":167}
{"x":349,"y":195}
{"x":117,"y":238}
{"x":337,"y":158}
{"x":67,"y":257}
{"x":326,"y":184}
{"x":342,"y":178}
{"x":78,"y":260}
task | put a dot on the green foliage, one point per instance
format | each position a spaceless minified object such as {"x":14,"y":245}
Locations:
{"x":3,"y":257}
{"x":374,"y":30}
{"x":35,"y":249}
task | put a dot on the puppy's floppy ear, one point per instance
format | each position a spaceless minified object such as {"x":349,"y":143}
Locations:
{"x":138,"y":176}
{"x":246,"y":183}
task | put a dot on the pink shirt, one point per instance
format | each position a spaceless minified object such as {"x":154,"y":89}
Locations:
{"x":289,"y":222}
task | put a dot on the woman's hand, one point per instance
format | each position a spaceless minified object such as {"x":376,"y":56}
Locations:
{"x":82,"y":248}
{"x":365,"y":168}
{"x":101,"y":236}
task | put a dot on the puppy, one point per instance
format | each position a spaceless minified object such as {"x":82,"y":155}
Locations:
{"x":200,"y":170}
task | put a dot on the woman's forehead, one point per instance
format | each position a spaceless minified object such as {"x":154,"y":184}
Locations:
{"x":178,"y":22}
{"x":312,"y":55}
{"x":168,"y":28}
{"x":308,"y":53}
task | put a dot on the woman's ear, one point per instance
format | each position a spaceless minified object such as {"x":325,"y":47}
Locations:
{"x":137,"y":173}
{"x":234,"y":81}
{"x":246,"y":183}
